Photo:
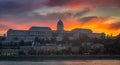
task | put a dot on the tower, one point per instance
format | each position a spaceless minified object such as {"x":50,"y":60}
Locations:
{"x":60,"y":27}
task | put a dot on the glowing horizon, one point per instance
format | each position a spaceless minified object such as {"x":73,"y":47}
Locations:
{"x":69,"y":27}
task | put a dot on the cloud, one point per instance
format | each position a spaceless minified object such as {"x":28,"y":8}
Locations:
{"x":13,"y":7}
{"x":21,"y":13}
{"x":28,"y":16}
{"x":9,"y":6}
{"x":82,"y":3}
{"x":87,"y":19}
{"x":68,"y":3}
{"x":114,"y":3}
{"x":83,"y":12}
{"x":17,"y":6}
{"x":101,"y":19}
{"x":57,"y":3}
{"x":4,"y":27}
{"x":115,"y":25}
{"x":68,"y":14}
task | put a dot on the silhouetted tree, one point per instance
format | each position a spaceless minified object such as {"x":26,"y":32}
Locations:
{"x":32,"y":51}
{"x":0,"y":45}
{"x":36,"y":39}
{"x":22,"y":43}
{"x":21,"y":53}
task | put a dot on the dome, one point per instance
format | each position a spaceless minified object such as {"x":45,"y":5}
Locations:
{"x":60,"y":23}
{"x":60,"y":26}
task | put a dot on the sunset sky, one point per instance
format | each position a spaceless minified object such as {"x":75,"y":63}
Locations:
{"x":97,"y":15}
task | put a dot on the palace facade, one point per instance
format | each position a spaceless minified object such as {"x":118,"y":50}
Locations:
{"x":33,"y":32}
{"x":47,"y":33}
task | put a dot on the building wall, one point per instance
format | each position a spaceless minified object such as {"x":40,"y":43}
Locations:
{"x":96,"y":35}
{"x":40,"y":32}
{"x":16,"y":34}
{"x":79,"y":33}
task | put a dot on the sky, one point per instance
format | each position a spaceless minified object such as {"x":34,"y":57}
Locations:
{"x":98,"y":15}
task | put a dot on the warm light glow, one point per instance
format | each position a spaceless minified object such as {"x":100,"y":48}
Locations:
{"x":69,"y":24}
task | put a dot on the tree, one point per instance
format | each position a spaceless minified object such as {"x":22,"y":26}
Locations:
{"x":53,"y":40}
{"x":21,"y":53}
{"x":32,"y":51}
{"x":36,"y":39}
{"x":21,"y":43}
{"x":0,"y":45}
{"x":116,"y":45}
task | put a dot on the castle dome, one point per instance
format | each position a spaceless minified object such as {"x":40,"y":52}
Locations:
{"x":60,"y":23}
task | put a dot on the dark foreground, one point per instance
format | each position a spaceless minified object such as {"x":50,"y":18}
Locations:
{"x":59,"y":57}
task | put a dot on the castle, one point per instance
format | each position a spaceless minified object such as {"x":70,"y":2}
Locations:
{"x":47,"y":33}
{"x":24,"y":41}
{"x":33,"y":32}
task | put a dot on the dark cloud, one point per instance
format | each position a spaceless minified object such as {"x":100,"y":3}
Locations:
{"x":83,"y":12}
{"x":48,"y":16}
{"x":70,"y":3}
{"x":9,"y":7}
{"x":115,"y":3}
{"x":94,"y":3}
{"x":37,"y":16}
{"x":18,"y":6}
{"x":87,"y":19}
{"x":115,"y":25}
{"x":20,"y":9}
{"x":57,"y":3}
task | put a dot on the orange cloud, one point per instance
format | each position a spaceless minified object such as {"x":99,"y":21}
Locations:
{"x":95,"y":24}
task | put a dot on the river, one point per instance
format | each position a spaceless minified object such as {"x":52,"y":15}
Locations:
{"x":70,"y":62}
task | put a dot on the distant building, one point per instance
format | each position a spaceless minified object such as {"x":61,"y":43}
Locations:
{"x":48,"y":40}
{"x":17,"y":34}
{"x":29,"y":35}
{"x":60,"y":31}
{"x":96,"y":35}
{"x":40,"y":32}
{"x":46,"y":33}
{"x":82,"y":31}
{"x":79,"y":33}
{"x":98,"y":46}
{"x":60,"y":27}
{"x":2,"y":38}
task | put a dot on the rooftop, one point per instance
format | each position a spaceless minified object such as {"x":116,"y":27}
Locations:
{"x":35,"y":28}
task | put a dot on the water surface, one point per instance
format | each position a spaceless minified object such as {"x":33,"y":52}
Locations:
{"x":74,"y":62}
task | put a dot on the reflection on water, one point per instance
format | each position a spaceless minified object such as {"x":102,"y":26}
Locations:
{"x":77,"y":62}
{"x":94,"y":62}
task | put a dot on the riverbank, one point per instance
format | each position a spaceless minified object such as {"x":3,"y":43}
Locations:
{"x":59,"y":57}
